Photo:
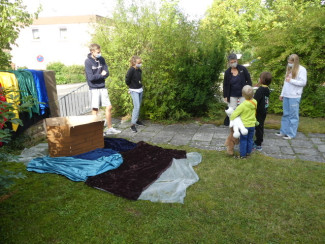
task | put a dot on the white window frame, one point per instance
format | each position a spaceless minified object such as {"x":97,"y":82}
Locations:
{"x":34,"y":32}
{"x":61,"y":37}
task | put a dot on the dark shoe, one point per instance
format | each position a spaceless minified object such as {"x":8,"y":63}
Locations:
{"x":140,"y":123}
{"x":279,"y":134}
{"x":134,"y":130}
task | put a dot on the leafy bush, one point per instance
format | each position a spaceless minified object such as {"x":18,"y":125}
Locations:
{"x":300,"y":31}
{"x":67,"y":74}
{"x":181,"y":62}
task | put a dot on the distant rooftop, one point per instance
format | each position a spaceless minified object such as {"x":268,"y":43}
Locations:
{"x":68,"y":19}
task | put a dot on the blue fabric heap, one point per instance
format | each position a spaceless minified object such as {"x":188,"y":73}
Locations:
{"x":119,"y":144}
{"x":41,"y":89}
{"x":79,"y":167}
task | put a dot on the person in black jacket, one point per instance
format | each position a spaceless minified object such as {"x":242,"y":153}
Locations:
{"x":262,"y":95}
{"x":96,"y":72}
{"x":133,"y":80}
{"x":236,"y":77}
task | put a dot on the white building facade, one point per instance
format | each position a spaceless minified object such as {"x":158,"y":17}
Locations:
{"x":54,"y":39}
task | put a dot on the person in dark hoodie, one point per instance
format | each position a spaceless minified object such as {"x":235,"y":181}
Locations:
{"x":133,"y":79}
{"x":96,"y":72}
{"x":262,"y":96}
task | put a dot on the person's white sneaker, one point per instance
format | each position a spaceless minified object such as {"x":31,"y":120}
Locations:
{"x":279,"y":134}
{"x":112,"y":131}
{"x":287,"y":137}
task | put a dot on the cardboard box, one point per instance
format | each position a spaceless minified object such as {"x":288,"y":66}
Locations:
{"x":69,"y":136}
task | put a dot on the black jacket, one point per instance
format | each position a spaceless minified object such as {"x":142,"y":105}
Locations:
{"x":245,"y":79}
{"x":93,"y":70}
{"x":262,"y":95}
{"x":133,"y":78}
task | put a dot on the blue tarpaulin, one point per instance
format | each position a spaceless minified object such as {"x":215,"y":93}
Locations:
{"x":78,"y":168}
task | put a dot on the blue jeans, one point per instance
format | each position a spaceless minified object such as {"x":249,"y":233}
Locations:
{"x":246,"y":142}
{"x":290,"y":117}
{"x":137,"y":99}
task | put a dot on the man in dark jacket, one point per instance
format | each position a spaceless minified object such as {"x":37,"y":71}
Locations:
{"x":96,"y":73}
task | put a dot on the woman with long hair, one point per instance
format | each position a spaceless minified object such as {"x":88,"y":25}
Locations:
{"x":295,"y":80}
{"x":133,"y":79}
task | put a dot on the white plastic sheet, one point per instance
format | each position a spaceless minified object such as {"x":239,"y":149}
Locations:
{"x":171,"y":186}
{"x":40,"y":150}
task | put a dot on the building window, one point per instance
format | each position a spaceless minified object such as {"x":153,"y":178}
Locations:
{"x":35,"y":33}
{"x":63,"y":33}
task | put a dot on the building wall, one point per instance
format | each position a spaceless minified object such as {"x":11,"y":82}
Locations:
{"x":54,"y":44}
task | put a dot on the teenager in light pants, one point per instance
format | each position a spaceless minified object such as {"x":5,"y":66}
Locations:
{"x":295,"y":80}
{"x":133,"y":80}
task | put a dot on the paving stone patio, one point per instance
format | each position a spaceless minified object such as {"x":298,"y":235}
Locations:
{"x":310,"y":147}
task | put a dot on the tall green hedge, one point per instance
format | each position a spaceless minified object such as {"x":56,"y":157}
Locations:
{"x":67,"y":74}
{"x":181,"y":62}
{"x":301,"y":31}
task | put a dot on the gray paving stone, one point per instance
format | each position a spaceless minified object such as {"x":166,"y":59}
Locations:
{"x":147,"y":134}
{"x":121,"y":125}
{"x":218,"y":142}
{"x":317,"y":140}
{"x":306,"y":151}
{"x":162,"y":137}
{"x":153,"y":128}
{"x":220,"y":135}
{"x":302,"y":143}
{"x":179,"y":140}
{"x":270,"y":134}
{"x":116,"y":121}
{"x":207,"y":126}
{"x":126,"y":133}
{"x":316,"y":135}
{"x":192,"y":126}
{"x":174,"y":127}
{"x":207,"y":137}
{"x":271,"y":150}
{"x":138,"y":138}
{"x":202,"y":145}
{"x":222,"y":130}
{"x":219,"y":148}
{"x":314,"y":158}
{"x":321,"y":148}
{"x":206,"y":130}
{"x":275,"y":142}
{"x":287,"y":150}
{"x":300,"y":136}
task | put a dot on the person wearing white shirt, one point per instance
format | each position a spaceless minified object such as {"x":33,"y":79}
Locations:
{"x":295,"y":81}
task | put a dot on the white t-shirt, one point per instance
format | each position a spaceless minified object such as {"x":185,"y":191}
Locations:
{"x":137,"y":90}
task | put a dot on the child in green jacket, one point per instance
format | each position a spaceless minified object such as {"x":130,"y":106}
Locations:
{"x":247,"y":112}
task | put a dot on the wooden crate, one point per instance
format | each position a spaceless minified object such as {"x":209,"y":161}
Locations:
{"x":69,"y":136}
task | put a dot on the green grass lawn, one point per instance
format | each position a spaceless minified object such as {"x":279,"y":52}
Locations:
{"x":258,"y":200}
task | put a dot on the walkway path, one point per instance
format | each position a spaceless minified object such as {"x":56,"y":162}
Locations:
{"x":309,"y":147}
